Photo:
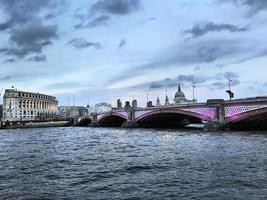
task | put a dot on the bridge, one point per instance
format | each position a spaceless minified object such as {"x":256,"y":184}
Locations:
{"x":250,"y":113}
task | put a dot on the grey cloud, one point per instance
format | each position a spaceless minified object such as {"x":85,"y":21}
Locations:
{"x":37,"y":58}
{"x":116,"y":7}
{"x":103,"y":10}
{"x":25,"y":28}
{"x":195,"y":52}
{"x":123,"y":42}
{"x":4,"y":26}
{"x":191,"y":79}
{"x":10,"y":60}
{"x":218,"y":85}
{"x":210,"y":54}
{"x":30,"y":39}
{"x":227,"y":75}
{"x":99,"y":21}
{"x":92,"y":23}
{"x":254,"y":6}
{"x":81,"y":43}
{"x":50,"y":16}
{"x":196,"y":68}
{"x":20,"y":76}
{"x":182,"y":79}
{"x":155,"y":85}
{"x":20,"y":12}
{"x":204,"y":28}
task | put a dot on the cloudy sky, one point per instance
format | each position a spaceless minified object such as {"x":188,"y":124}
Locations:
{"x":101,"y":50}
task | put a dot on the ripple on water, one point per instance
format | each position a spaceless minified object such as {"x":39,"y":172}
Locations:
{"x":100,"y":163}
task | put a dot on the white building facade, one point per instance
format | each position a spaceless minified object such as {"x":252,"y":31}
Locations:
{"x":28,"y":106}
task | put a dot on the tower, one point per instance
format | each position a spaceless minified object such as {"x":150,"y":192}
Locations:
{"x":167,"y":100}
{"x":158,"y":102}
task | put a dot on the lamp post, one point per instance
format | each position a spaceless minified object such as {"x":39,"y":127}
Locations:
{"x":229,"y":91}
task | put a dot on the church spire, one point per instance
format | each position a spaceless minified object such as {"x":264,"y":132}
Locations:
{"x":179,"y":87}
{"x":167,"y":99}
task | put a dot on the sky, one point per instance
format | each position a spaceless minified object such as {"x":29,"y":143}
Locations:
{"x":92,"y":51}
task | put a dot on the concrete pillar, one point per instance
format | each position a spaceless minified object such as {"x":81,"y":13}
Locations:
{"x":217,"y":115}
{"x":94,"y":122}
{"x":131,"y":122}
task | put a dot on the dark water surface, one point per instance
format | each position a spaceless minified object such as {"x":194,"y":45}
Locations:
{"x":96,"y":163}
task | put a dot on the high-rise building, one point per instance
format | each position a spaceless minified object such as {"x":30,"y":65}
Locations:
{"x":134,"y":103}
{"x":28,"y":106}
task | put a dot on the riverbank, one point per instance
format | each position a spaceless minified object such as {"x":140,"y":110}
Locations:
{"x":38,"y":125}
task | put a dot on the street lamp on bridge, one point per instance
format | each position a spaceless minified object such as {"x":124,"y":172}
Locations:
{"x":229,"y":91}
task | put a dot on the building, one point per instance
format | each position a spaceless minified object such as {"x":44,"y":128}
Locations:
{"x":1,"y":111}
{"x":180,"y":97}
{"x":66,"y":112}
{"x":158,"y":102}
{"x":119,"y":104}
{"x":28,"y":106}
{"x":149,"y":104}
{"x":134,"y":103}
{"x":101,"y":108}
{"x":167,"y":103}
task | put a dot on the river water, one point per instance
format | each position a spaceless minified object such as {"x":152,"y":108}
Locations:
{"x":110,"y":163}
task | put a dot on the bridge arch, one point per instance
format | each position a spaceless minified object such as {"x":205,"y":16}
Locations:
{"x":84,"y":121}
{"x":112,"y":120}
{"x":254,"y":120}
{"x":169,"y":118}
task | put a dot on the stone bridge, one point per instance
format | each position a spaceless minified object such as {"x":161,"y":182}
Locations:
{"x":243,"y":113}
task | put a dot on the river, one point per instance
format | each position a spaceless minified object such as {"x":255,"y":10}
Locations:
{"x":111,"y":163}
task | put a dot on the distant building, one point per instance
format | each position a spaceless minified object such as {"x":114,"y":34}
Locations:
{"x":119,"y":104}
{"x":127,"y":106}
{"x":180,"y":97}
{"x":101,"y":108}
{"x":158,"y":102}
{"x":28,"y":106}
{"x":149,"y":104}
{"x":67,"y":112}
{"x":1,"y":111}
{"x":167,"y":102}
{"x":134,"y":103}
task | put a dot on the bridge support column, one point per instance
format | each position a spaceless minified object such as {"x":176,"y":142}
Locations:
{"x":94,"y":122}
{"x":217,"y":115}
{"x":131,"y":122}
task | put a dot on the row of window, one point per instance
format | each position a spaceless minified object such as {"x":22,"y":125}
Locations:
{"x":39,"y":96}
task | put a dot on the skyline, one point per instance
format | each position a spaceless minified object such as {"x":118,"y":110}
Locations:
{"x":104,"y":50}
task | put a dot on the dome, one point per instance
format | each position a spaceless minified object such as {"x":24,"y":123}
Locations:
{"x":179,"y":93}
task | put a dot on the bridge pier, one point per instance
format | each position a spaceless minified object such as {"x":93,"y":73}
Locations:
{"x":94,"y":122}
{"x":130,"y":124}
{"x":217,"y":115}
